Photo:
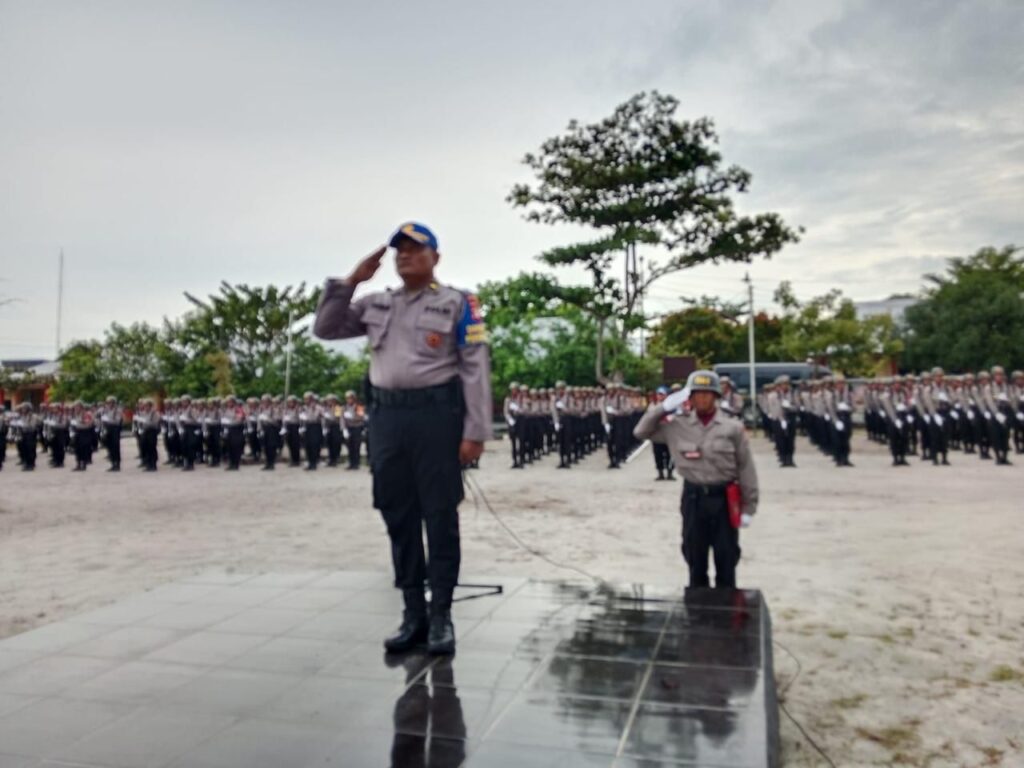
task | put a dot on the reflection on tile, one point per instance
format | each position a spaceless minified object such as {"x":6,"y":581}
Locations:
{"x":561,"y":722}
{"x":332,"y":701}
{"x":706,"y":736}
{"x":483,"y":669}
{"x":395,"y":749}
{"x":702,"y":686}
{"x":710,"y":650}
{"x":454,"y":713}
{"x":288,"y":669}
{"x":368,"y":661}
{"x":610,"y":642}
{"x":583,"y":676}
{"x":493,"y":754}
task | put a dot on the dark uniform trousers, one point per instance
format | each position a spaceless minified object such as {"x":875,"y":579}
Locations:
{"x":417,"y":484}
{"x":355,"y":446}
{"x":27,"y":447}
{"x":293,"y":440}
{"x":60,"y":442}
{"x":191,"y":439}
{"x":148,"y":442}
{"x":706,"y":526}
{"x":313,"y":443}
{"x":234,"y":442}
{"x":112,"y":442}
{"x":333,"y":440}
{"x":271,"y":444}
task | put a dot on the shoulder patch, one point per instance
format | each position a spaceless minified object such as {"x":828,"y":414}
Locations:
{"x":471,"y":330}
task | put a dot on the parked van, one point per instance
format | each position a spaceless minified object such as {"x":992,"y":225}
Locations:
{"x":767,"y":373}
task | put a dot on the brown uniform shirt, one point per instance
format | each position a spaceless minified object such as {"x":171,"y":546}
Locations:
{"x":417,"y":339}
{"x":709,"y":455}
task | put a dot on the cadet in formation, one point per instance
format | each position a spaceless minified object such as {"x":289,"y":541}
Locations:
{"x":574,"y":421}
{"x":979,"y":414}
{"x":213,"y":431}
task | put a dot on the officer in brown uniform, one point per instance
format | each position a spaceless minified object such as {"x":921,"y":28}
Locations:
{"x":430,"y":413}
{"x":711,"y":451}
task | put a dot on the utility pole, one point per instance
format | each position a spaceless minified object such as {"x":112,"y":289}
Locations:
{"x":288,"y":357}
{"x":750,"y":347}
{"x":60,"y":297}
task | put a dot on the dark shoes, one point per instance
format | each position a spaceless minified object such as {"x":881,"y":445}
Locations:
{"x":441,"y":638}
{"x":436,"y":631}
{"x":412,"y":633}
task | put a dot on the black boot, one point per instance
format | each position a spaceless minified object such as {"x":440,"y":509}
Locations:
{"x":415,"y":626}
{"x":441,"y":640}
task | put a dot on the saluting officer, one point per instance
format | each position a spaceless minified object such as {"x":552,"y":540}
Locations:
{"x":711,"y":451}
{"x":430,"y":406}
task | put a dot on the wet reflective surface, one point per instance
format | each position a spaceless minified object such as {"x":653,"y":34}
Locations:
{"x":287,"y":669}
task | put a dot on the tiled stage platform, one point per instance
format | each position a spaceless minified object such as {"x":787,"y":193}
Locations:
{"x":287,"y":671}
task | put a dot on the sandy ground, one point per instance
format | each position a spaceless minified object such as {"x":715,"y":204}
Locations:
{"x":898,"y":593}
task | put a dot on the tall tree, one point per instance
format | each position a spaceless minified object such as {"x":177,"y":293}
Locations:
{"x":248,"y":324}
{"x":972,"y":316}
{"x":826,"y":329}
{"x":641,"y":176}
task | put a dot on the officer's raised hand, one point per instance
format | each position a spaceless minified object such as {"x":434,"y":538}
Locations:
{"x":367,"y":268}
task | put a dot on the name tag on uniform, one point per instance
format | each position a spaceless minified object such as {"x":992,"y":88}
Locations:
{"x":691,"y":454}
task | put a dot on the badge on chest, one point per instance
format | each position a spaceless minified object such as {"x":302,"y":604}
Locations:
{"x":434,"y":340}
{"x":692,"y":455}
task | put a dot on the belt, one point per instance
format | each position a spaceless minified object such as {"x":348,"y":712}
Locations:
{"x":442,"y":394}
{"x":698,"y":489}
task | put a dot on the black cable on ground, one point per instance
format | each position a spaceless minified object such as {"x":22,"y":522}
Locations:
{"x":782,"y":706}
{"x":476,"y":490}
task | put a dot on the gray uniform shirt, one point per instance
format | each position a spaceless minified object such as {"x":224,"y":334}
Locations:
{"x":417,"y":339}
{"x":718,"y":453}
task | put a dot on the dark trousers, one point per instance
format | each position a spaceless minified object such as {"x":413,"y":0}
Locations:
{"x":191,"y":439}
{"x":294,"y":442}
{"x":255,"y":444}
{"x":27,"y":446}
{"x":212,"y":439}
{"x":112,"y":442}
{"x":271,"y":444}
{"x":333,"y":439}
{"x":148,"y":442}
{"x":81,"y":444}
{"x":314,"y":442}
{"x":354,"y":446}
{"x":60,"y":446}
{"x":662,"y":459}
{"x":235,"y":443}
{"x":706,"y":526}
{"x":417,"y":484}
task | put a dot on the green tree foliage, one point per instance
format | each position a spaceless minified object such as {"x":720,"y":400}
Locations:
{"x":641,"y":176}
{"x":233,"y":342}
{"x":537,"y":337}
{"x":826,"y":329}
{"x":972,"y":317}
{"x":129,"y":363}
{"x":248,"y":324}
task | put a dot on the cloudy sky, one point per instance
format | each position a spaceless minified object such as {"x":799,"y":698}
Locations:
{"x":166,"y":146}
